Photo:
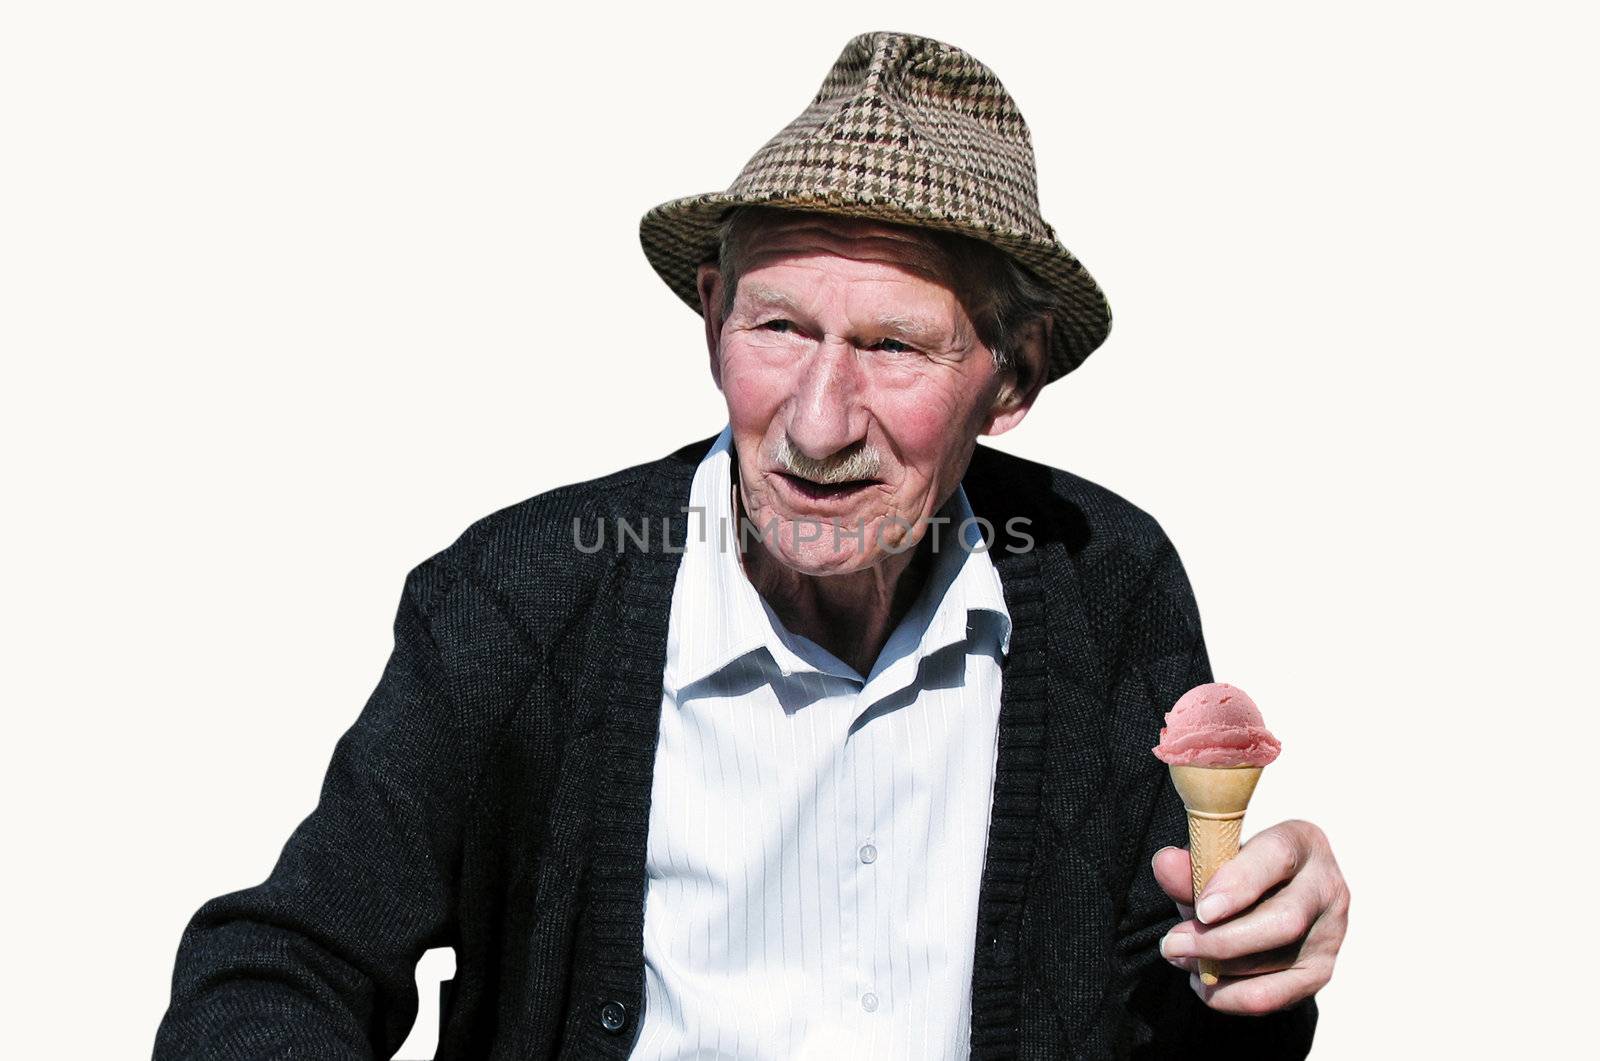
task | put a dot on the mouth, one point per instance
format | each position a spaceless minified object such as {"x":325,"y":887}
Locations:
{"x":813,"y":491}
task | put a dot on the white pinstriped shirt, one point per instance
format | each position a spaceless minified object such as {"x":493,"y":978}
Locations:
{"x":817,"y":837}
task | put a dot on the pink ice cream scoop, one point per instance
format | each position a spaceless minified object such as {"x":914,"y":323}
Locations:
{"x":1216,"y":725}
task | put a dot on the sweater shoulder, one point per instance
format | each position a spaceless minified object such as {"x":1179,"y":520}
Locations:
{"x":1094,"y":523}
{"x":1105,"y":558}
{"x":538,"y":556}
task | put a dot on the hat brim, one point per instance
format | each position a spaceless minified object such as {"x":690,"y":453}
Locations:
{"x":680,"y":234}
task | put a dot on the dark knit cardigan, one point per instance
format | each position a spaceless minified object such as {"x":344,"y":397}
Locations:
{"x":493,"y":796}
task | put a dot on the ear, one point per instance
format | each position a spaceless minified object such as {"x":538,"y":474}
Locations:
{"x":1021,"y":385}
{"x":708,"y":281}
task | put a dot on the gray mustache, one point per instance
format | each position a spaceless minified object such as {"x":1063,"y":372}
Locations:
{"x":861,"y":463}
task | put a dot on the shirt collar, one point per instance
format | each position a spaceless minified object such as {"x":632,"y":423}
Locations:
{"x":962,"y":582}
{"x":718,"y":616}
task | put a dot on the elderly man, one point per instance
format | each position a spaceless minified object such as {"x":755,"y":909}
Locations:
{"x":829,"y":736}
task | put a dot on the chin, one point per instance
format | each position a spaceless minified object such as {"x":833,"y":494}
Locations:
{"x":824,"y":562}
{"x":821,"y":557}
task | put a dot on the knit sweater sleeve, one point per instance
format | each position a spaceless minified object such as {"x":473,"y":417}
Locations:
{"x":319,"y":960}
{"x":1164,"y":655}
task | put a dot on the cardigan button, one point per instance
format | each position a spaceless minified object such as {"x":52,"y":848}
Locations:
{"x":613,"y":1016}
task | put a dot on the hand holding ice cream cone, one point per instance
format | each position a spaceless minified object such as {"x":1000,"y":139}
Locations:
{"x":1215,"y":744}
{"x":1268,"y":938}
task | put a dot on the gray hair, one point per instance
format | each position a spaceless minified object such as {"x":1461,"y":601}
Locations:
{"x":1000,"y":294}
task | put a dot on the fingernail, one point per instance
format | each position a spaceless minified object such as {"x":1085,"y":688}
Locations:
{"x":1176,"y":945}
{"x":1158,"y":854}
{"x":1211,"y":907}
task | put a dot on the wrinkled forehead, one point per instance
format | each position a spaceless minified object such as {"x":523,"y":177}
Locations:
{"x":778,"y":234}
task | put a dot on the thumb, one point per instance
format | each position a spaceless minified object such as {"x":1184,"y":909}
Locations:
{"x":1173,"y":873}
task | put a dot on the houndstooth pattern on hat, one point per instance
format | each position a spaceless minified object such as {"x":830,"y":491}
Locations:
{"x":907,"y":130}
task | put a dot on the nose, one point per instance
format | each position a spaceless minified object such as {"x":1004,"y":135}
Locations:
{"x":827,"y":413}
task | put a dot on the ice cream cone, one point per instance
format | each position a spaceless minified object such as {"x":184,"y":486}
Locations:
{"x":1215,"y":798}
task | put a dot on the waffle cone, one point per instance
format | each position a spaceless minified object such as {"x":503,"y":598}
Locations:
{"x":1215,"y":798}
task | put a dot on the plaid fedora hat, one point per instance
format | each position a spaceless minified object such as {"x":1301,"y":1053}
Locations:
{"x":911,"y":131}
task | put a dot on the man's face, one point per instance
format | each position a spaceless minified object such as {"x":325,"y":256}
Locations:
{"x":856,"y":389}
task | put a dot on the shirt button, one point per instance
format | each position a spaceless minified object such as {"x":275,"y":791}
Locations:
{"x":613,"y":1015}
{"x":869,"y":854}
{"x":869,"y":1002}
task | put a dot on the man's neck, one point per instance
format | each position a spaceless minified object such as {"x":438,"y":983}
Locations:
{"x":851,"y":615}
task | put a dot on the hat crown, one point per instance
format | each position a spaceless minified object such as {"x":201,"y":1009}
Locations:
{"x":908,"y":121}
{"x":905,"y":130}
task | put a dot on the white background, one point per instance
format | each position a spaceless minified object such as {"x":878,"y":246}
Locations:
{"x":290,"y":294}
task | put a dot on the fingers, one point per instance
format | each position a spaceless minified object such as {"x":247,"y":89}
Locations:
{"x":1274,"y":919}
{"x":1247,"y":950}
{"x":1271,"y":857}
{"x":1271,"y":961}
{"x":1254,"y":996}
{"x":1282,"y":920}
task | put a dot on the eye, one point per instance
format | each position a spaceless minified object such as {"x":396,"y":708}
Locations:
{"x":780,"y":326}
{"x":891,"y":346}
